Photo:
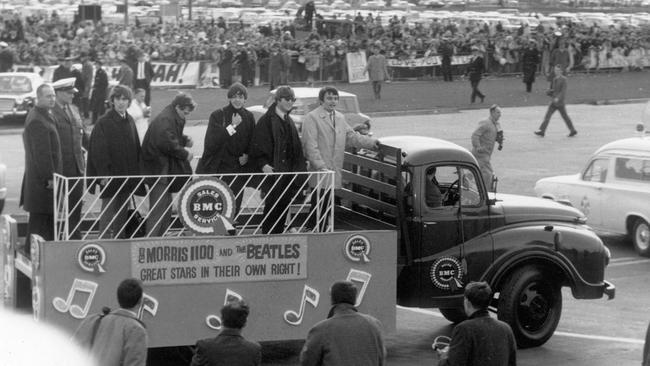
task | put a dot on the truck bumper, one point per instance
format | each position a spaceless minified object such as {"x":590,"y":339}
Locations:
{"x":609,"y":290}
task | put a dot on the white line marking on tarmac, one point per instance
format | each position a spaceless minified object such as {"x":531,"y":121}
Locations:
{"x":564,"y":334}
{"x":618,"y":264}
{"x":622,"y":259}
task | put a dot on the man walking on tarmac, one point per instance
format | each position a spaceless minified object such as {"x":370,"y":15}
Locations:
{"x":483,"y":139}
{"x":479,"y":340}
{"x":557,"y":94}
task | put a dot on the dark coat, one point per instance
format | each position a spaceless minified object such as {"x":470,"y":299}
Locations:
{"x":148,"y":72}
{"x":163,"y":142}
{"x":42,"y":159}
{"x":476,"y":68}
{"x":229,"y":348}
{"x":529,"y":60}
{"x":276,"y":143}
{"x":100,"y":92}
{"x":481,"y":340}
{"x":73,"y":137}
{"x":221,"y":151}
{"x":114,"y":150}
{"x":62,"y":72}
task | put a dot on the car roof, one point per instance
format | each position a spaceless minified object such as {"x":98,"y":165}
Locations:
{"x":31,"y":75}
{"x":420,"y":150}
{"x":638,"y":145}
{"x":313,"y":92}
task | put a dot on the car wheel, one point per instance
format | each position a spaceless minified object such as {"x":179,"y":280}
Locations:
{"x":454,"y":315}
{"x":531,"y":302}
{"x":641,"y":237}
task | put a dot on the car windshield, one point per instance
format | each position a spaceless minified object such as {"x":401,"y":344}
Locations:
{"x":15,"y":84}
{"x":306,"y":105}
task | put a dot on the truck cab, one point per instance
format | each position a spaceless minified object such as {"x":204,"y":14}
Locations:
{"x":526,"y":248}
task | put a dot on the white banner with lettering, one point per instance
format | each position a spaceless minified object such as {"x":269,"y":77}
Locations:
{"x":428,"y":61}
{"x":356,"y":65}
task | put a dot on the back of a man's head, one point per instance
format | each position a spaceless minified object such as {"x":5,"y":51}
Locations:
{"x":129,"y":293}
{"x":234,"y":314}
{"x":479,"y":294}
{"x":343,"y":292}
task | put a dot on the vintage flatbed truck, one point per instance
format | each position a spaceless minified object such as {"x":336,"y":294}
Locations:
{"x":381,"y":234}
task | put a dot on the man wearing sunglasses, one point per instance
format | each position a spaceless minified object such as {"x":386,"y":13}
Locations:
{"x":165,"y":151}
{"x":276,"y":148}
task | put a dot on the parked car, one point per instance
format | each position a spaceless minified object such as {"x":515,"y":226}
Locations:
{"x":307,"y":101}
{"x":18,"y":93}
{"x":613,"y":190}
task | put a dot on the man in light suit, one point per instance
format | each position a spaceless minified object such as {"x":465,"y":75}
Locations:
{"x":229,"y":347}
{"x":42,"y":159}
{"x":325,"y":134}
{"x":143,"y":75}
{"x":557,"y":94}
{"x":74,"y":139}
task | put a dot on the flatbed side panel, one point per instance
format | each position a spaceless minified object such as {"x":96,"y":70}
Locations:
{"x":284,"y":278}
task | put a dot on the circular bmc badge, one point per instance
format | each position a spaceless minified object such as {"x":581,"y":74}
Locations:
{"x":91,"y":258}
{"x":357,"y":248}
{"x":206,"y":206}
{"x":446,"y":270}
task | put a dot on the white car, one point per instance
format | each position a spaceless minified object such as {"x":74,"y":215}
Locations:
{"x":18,"y":93}
{"x":613,"y":190}
{"x":307,"y":101}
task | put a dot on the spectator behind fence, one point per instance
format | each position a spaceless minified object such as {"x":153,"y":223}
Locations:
{"x":165,"y":151}
{"x":115,"y":151}
{"x":118,"y":337}
{"x":479,"y":340}
{"x":227,"y":141}
{"x":346,"y":337}
{"x":229,"y":348}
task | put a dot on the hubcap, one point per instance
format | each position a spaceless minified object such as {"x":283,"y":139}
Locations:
{"x":643,"y":236}
{"x":534,"y":306}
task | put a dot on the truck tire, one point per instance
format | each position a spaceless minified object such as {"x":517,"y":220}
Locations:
{"x":454,"y":315}
{"x":641,"y":237}
{"x":531,"y":302}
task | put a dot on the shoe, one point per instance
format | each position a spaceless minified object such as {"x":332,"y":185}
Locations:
{"x":573,"y":133}
{"x":539,"y":133}
{"x":482,"y":98}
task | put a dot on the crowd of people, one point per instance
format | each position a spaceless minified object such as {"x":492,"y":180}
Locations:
{"x":43,"y":40}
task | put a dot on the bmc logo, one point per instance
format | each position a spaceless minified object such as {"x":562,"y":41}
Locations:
{"x":207,"y":206}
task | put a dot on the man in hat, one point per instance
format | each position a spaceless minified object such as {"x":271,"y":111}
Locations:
{"x":64,"y":70}
{"x":73,"y":139}
{"x":276,"y":148}
{"x":475,"y":69}
{"x":143,"y":76}
{"x":42,"y":159}
{"x":446,"y":51}
{"x":346,"y":337}
{"x":530,"y":60}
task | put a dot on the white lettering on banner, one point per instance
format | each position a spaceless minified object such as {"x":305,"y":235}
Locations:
{"x":428,"y":61}
{"x":356,"y":65}
{"x":237,"y":259}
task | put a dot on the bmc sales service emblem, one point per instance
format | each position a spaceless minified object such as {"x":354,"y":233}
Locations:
{"x":447,"y":273}
{"x":92,"y":258}
{"x":357,"y":248}
{"x":207,"y":206}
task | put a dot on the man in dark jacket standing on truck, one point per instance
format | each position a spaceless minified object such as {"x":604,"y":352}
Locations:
{"x":165,"y":151}
{"x":276,"y":148}
{"x":480,"y":340}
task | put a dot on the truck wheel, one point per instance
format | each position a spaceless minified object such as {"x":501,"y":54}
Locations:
{"x":641,"y":237}
{"x":531,"y":302}
{"x":454,"y":315}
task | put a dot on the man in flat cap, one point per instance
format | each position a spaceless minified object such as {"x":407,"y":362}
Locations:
{"x":530,"y":60}
{"x":73,"y":139}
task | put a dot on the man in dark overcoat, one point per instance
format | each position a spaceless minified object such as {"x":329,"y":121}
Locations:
{"x":100,"y":91}
{"x":165,"y":151}
{"x":227,"y":141}
{"x":276,"y":148}
{"x":42,"y":160}
{"x":225,"y":66}
{"x":276,"y":66}
{"x":475,"y":70}
{"x":73,"y":138}
{"x":530,"y":60}
{"x":143,"y":75}
{"x":446,"y":51}
{"x":115,"y":151}
{"x":480,"y":340}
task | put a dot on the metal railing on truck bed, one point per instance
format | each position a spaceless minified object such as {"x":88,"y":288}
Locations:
{"x":373,"y":185}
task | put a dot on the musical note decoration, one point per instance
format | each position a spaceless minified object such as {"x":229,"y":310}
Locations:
{"x":77,"y":311}
{"x":309,"y":295}
{"x":214,"y":321}
{"x":149,"y":304}
{"x":359,"y":276}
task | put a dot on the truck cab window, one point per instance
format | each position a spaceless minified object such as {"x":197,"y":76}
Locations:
{"x":470,"y":194}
